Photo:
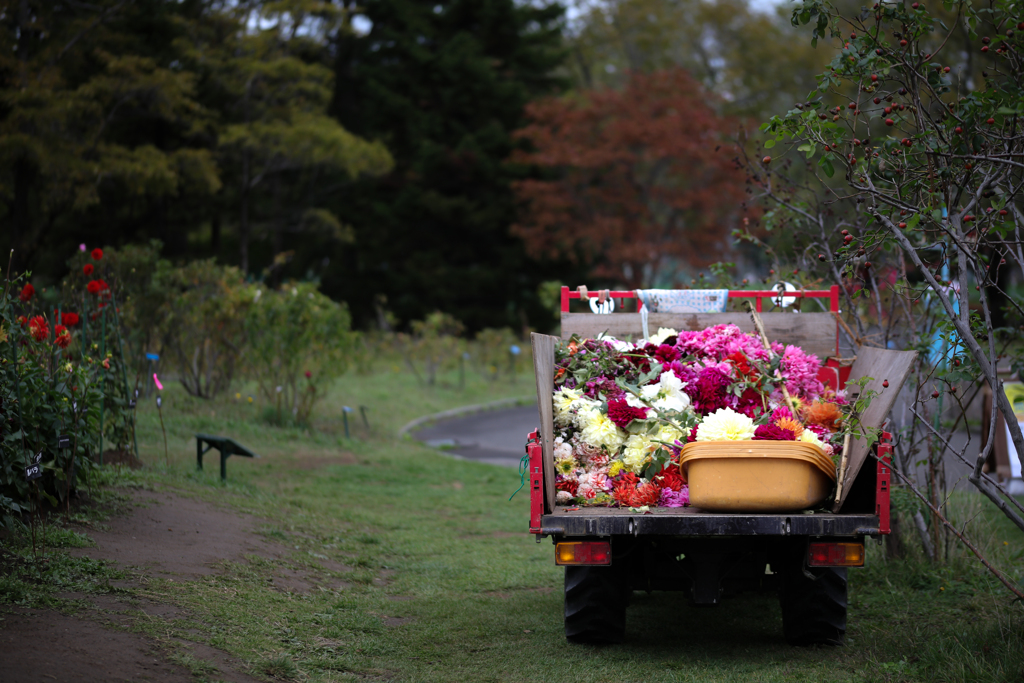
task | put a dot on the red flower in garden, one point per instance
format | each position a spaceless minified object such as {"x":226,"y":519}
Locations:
{"x":22,"y":320}
{"x":39,"y":328}
{"x":27,"y":292}
{"x":97,"y":286}
{"x":97,"y":254}
{"x":69,"y":319}
{"x":63,"y":336}
{"x":106,"y":363}
{"x":87,"y":269}
{"x":308,"y":374}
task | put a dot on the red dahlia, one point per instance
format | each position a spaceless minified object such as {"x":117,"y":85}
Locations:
{"x":773,"y":433}
{"x":97,"y":254}
{"x":69,"y":319}
{"x":63,"y":336}
{"x":97,"y":286}
{"x":38,"y":328}
{"x":87,"y":269}
{"x":621,"y":413}
{"x":27,"y":292}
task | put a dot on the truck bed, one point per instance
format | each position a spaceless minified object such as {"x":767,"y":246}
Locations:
{"x":690,"y":521}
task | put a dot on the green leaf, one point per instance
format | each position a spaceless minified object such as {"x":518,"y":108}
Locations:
{"x":768,"y":144}
{"x":826,"y":166}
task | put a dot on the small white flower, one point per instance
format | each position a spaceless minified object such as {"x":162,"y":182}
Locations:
{"x":662,"y":334}
{"x":667,"y":393}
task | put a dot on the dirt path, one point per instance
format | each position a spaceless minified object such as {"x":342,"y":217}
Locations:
{"x":167,"y":536}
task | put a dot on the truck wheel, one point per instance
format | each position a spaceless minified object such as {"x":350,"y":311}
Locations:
{"x":814,"y":611}
{"x":595,"y":605}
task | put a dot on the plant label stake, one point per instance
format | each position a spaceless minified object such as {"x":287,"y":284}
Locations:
{"x":366,"y":422}
{"x":64,"y":441}
{"x":160,"y":410}
{"x":35,"y":470}
{"x":345,"y":410}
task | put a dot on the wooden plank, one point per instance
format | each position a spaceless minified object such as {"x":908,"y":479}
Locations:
{"x":880,"y":365}
{"x":813,"y":332}
{"x":544,"y":372}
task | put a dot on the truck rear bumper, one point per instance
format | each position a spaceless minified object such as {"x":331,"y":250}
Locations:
{"x":692,"y":522}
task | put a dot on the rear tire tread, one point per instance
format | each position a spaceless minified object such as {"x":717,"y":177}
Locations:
{"x":814,"y":611}
{"x":595,"y":605}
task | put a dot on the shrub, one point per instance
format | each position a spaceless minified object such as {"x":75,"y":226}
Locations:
{"x":48,"y":387}
{"x":203,"y":322}
{"x":434,"y":344}
{"x":298,"y":341}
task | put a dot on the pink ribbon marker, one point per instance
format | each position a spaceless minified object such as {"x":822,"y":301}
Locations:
{"x":157,"y":380}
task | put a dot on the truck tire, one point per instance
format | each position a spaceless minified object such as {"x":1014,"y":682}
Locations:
{"x":595,"y":605}
{"x":814,"y":611}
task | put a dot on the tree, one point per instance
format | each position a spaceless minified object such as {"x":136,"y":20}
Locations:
{"x":926,"y":154}
{"x":265,"y":61}
{"x":443,"y":85}
{"x":93,"y":109}
{"x":754,"y":61}
{"x":636,"y":183}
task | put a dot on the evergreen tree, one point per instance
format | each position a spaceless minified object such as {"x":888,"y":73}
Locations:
{"x":98,"y":128}
{"x":443,"y":85}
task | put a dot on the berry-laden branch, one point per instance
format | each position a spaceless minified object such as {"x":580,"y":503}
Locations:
{"x":931,"y":156}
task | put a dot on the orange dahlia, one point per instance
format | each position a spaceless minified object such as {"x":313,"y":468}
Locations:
{"x":823,"y":413}
{"x":790,"y":424}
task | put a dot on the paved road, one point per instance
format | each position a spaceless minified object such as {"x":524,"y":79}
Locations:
{"x":497,"y":437}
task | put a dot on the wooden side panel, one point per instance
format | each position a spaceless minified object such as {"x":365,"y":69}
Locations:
{"x":813,"y":332}
{"x":544,"y":371}
{"x":880,"y":365}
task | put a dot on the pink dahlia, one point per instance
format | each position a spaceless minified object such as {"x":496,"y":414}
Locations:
{"x":800,"y":371}
{"x":675,"y":499}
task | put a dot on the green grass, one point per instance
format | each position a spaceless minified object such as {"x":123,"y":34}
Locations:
{"x":445,"y":585}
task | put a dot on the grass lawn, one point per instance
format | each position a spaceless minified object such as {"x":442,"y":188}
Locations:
{"x":444,"y":583}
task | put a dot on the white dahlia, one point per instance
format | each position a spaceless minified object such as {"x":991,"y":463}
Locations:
{"x":725,"y":424}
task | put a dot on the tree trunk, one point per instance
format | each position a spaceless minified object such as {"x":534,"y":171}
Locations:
{"x":21,"y":218}
{"x":243,"y":225}
{"x":215,"y":232}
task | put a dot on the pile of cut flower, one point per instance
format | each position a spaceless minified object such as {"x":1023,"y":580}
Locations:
{"x":623,"y":412}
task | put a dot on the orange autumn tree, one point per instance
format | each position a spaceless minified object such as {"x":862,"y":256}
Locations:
{"x":639,"y":184}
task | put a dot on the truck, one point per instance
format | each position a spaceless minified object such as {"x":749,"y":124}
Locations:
{"x":803,"y":556}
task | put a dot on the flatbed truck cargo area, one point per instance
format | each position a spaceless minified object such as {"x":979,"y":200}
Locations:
{"x":609,"y":553}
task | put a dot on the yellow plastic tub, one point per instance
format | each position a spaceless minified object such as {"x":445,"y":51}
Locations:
{"x":756,"y":476}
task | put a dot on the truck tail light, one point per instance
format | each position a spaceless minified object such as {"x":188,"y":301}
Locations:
{"x":583,"y":552}
{"x":836,"y":554}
